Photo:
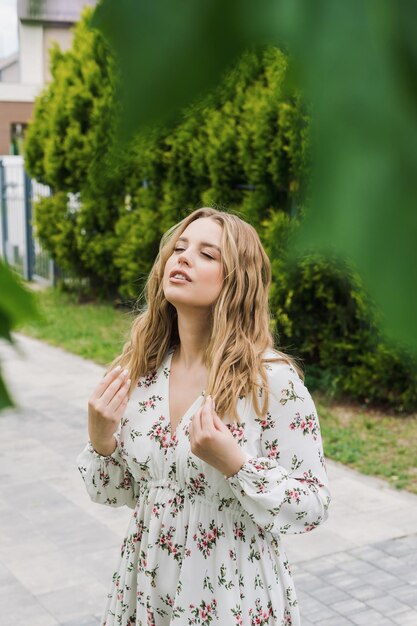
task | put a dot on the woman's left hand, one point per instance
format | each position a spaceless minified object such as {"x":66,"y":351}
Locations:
{"x":213,"y":442}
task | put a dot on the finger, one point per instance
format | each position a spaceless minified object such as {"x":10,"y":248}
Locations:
{"x":113,"y":387}
{"x":120,"y":397}
{"x":207,"y":415}
{"x":107,"y":379}
{"x":195,"y":423}
{"x":121,"y":409}
{"x":218,"y":423}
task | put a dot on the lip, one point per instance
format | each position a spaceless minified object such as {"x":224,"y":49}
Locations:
{"x":178,"y":280}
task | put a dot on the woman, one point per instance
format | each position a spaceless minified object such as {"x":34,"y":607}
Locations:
{"x":219,"y":450}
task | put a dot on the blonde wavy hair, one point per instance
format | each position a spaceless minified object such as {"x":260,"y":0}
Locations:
{"x":240,"y":320}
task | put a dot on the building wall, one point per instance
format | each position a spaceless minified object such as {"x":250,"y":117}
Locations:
{"x":52,"y":10}
{"x":10,"y":73}
{"x":12,"y":113}
{"x":31,"y":53}
{"x":52,"y":21}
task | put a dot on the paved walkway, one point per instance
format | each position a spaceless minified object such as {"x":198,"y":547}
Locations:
{"x":58,"y":549}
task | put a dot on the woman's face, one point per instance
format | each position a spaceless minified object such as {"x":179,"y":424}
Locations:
{"x":197,"y":253}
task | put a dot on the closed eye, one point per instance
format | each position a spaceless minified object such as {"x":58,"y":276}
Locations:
{"x":203,"y":253}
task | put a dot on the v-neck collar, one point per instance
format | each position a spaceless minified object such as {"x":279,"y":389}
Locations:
{"x":173,"y":435}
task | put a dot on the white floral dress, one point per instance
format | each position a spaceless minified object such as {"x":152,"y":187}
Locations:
{"x":201,"y":548}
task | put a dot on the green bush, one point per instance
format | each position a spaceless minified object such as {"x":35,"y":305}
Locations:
{"x":68,"y":146}
{"x":321,"y":312}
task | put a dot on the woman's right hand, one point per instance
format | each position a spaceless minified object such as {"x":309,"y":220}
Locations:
{"x":105,"y":410}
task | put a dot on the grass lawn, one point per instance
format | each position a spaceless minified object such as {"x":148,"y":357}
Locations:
{"x":374,"y":443}
{"x":91,"y":330}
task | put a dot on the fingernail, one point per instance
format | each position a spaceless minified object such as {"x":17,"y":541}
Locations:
{"x":117,"y":368}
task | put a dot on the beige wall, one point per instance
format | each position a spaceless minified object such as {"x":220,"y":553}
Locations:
{"x":35,"y":41}
{"x":31,"y":54}
{"x":10,"y":74}
{"x":12,"y":112}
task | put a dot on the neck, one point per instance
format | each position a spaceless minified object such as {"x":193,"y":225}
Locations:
{"x":194,"y":334}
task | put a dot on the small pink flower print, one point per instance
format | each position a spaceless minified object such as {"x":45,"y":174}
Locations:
{"x":147,"y":381}
{"x":204,"y":544}
{"x":293,"y":495}
{"x":238,"y":432}
{"x":165,"y":542}
{"x":265,"y":422}
{"x":308,"y":424}
{"x":205,"y":613}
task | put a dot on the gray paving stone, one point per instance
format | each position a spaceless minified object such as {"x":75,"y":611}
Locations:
{"x":398,"y":546}
{"x":73,"y":603}
{"x":410,"y":558}
{"x":308,"y":581}
{"x":311,"y":605}
{"x":341,"y":579}
{"x":409,"y":575}
{"x":330,"y":594}
{"x":365,"y":592}
{"x":399,"y":568}
{"x":336,"y":621}
{"x":369,"y":617}
{"x":407,"y":618}
{"x":30,"y":612}
{"x":406,"y":594}
{"x":349,"y":607}
{"x":325,"y":612}
{"x":388,"y":605}
{"x":383,"y":580}
{"x":88,"y":620}
{"x":358,"y":567}
{"x":368,"y":553}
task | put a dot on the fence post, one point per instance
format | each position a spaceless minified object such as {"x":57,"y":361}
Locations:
{"x":30,"y":248}
{"x":3,"y":211}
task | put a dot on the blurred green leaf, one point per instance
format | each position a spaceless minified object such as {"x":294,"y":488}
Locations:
{"x":17,"y":304}
{"x":169,"y":54}
{"x":356,"y":64}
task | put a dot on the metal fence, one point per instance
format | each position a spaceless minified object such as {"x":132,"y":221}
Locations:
{"x":19,"y":246}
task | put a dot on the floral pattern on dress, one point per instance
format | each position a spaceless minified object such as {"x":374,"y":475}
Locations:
{"x":201,"y":548}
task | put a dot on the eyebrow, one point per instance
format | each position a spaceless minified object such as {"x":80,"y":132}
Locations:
{"x":203,"y":243}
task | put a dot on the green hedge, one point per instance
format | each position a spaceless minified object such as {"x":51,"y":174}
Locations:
{"x":244,"y":148}
{"x":321,"y":312}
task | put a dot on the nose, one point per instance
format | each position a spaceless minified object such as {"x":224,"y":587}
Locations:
{"x":183,"y":257}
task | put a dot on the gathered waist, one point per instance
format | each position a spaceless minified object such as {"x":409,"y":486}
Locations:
{"x":190,"y":493}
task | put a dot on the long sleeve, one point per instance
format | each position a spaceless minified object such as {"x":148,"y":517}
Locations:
{"x":107,"y":478}
{"x":285,"y":490}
